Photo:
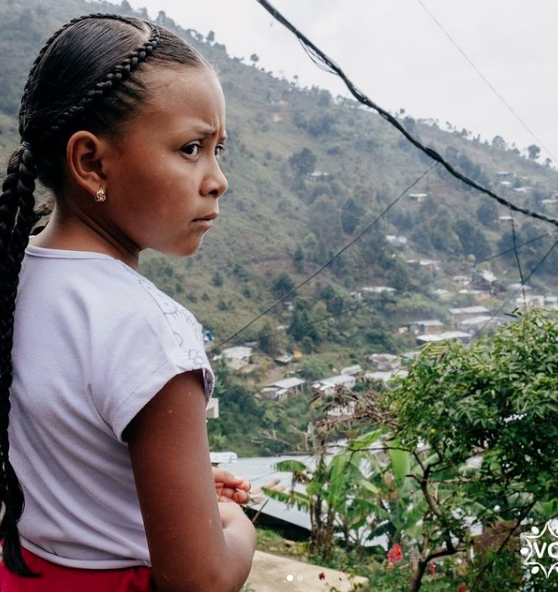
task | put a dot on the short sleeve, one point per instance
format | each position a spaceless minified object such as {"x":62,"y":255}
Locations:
{"x":145,"y":339}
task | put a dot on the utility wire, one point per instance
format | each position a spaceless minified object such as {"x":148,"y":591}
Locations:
{"x":329,"y":261}
{"x":531,"y":273}
{"x":326,"y":63}
{"x":426,"y":283}
{"x":516,"y":254}
{"x":485,"y":79}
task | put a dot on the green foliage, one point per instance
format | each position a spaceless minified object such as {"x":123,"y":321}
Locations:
{"x":500,"y":396}
{"x":303,"y":162}
{"x":235,"y":402}
{"x":282,"y":285}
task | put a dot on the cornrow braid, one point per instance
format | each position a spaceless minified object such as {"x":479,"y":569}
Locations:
{"x":47,"y":45}
{"x":110,"y":82}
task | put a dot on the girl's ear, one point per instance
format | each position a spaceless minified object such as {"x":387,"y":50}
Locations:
{"x":85,"y":156}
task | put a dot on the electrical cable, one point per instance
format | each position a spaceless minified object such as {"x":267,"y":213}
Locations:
{"x":485,"y":79}
{"x":328,"y":262}
{"x":425,"y":284}
{"x":319,"y":57}
{"x":531,"y":273}
{"x":516,"y":254}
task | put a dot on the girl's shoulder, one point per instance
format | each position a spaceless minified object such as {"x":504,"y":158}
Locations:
{"x":103,"y":287}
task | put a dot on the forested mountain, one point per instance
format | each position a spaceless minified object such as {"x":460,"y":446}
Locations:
{"x":307,"y":173}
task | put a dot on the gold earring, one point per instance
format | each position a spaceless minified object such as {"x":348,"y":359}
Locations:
{"x":100,"y":195}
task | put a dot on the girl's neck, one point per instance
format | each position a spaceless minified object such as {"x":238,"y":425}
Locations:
{"x":71,"y":234}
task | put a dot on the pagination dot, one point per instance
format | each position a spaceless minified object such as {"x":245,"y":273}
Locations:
{"x":299,"y":578}
{"x":289,"y":578}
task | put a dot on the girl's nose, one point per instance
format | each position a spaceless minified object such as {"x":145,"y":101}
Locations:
{"x":215,"y":182}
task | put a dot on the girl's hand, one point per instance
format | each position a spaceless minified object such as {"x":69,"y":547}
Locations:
{"x":230,"y":488}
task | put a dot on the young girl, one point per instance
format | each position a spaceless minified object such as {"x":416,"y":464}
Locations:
{"x":106,"y":376}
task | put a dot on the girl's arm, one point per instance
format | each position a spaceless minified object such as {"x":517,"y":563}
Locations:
{"x":195,"y":543}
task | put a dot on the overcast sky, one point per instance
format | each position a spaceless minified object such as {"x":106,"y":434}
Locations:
{"x":394,"y":52}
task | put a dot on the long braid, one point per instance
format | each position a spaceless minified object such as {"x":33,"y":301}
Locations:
{"x":16,"y":221}
{"x":17,"y":202}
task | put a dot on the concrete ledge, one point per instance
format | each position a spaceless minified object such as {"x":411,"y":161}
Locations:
{"x":270,"y":572}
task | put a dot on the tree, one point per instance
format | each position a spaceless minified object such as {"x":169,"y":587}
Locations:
{"x":496,"y":402}
{"x":282,"y":285}
{"x":351,"y":215}
{"x":298,"y":258}
{"x":487,"y":212}
{"x":534,"y":151}
{"x":210,"y":37}
{"x":267,"y":340}
{"x":254,"y":58}
{"x":499,"y":143}
{"x":303,"y":162}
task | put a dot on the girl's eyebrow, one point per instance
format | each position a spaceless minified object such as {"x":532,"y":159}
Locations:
{"x":207,"y":131}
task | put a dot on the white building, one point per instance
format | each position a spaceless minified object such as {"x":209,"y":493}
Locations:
{"x":327,"y":386}
{"x":282,"y":389}
{"x":236,"y":357}
{"x":447,"y":336}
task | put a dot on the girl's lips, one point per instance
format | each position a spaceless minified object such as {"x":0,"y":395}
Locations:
{"x":206,"y":222}
{"x":208,"y":218}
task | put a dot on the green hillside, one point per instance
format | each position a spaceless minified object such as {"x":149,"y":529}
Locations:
{"x":307,"y":172}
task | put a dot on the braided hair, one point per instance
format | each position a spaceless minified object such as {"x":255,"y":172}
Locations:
{"x":87,"y":76}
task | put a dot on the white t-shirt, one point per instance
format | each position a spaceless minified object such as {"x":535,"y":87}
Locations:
{"x":94,"y":341}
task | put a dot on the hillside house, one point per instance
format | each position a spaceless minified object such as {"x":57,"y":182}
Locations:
{"x":417,"y":197}
{"x":460,"y":314}
{"x":447,"y":336}
{"x":385,"y":376}
{"x":236,"y":357}
{"x":352,"y":370}
{"x":284,"y":360}
{"x":473,"y":323}
{"x":427,"y":327}
{"x":327,"y":386}
{"x":212,"y":409}
{"x":531,"y":300}
{"x":375,"y":290}
{"x":484,"y":279}
{"x":283,"y":389}
{"x":384,"y":362}
{"x":396,"y":240}
{"x":444,"y":294}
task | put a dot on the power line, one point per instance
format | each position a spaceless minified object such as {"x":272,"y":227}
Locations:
{"x":326,"y":63}
{"x":329,"y":261}
{"x":531,"y":273}
{"x":428,"y":282}
{"x":484,"y":78}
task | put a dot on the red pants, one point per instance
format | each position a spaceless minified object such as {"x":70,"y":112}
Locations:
{"x":58,"y":578}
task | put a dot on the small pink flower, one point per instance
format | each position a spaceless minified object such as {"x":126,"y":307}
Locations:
{"x":432,"y":570}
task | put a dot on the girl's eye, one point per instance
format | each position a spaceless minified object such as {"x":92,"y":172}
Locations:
{"x":219,"y":150}
{"x":191,"y":149}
